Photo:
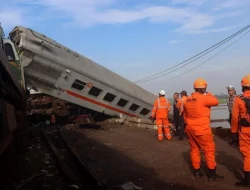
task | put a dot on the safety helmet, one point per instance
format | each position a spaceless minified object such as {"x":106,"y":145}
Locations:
{"x":230,"y":87}
{"x":200,"y":83}
{"x":246,"y":81}
{"x":162,"y":92}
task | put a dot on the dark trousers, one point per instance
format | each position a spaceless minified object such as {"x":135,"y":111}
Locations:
{"x":181,"y":127}
{"x":230,"y":118}
{"x":176,"y":123}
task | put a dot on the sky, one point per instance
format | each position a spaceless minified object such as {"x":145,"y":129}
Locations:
{"x":137,"y":39}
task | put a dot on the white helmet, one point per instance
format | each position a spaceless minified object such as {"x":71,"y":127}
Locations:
{"x":162,"y":92}
{"x":230,"y":87}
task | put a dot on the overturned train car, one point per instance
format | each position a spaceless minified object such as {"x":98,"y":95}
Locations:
{"x":55,"y":70}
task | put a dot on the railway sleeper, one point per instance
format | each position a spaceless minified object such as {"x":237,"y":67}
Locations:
{"x":74,"y":170}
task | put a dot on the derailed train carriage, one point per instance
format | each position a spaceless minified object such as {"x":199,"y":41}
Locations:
{"x":55,"y":70}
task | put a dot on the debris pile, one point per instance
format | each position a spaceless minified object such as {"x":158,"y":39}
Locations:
{"x":71,"y":126}
{"x":84,"y":119}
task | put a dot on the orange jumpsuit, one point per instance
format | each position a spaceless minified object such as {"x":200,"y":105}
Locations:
{"x":197,"y":118}
{"x":180,"y":104}
{"x":160,"y":112}
{"x":239,"y":111}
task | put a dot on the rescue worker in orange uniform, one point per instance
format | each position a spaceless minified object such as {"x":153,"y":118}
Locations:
{"x":176,"y":113}
{"x":160,"y":113}
{"x":197,"y":118}
{"x":180,"y":106}
{"x":240,"y":125}
{"x":232,"y":95}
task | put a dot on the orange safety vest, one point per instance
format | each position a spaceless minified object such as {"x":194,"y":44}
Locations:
{"x":161,"y":108}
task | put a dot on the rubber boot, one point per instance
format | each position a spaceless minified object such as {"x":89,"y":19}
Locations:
{"x":213,"y":176}
{"x":198,"y":174}
{"x":245,"y":182}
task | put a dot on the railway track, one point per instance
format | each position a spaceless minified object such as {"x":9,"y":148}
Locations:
{"x":75,"y":171}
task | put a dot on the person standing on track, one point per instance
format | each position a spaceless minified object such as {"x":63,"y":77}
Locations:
{"x":197,"y":118}
{"x":232,"y":95}
{"x":180,"y":106}
{"x":176,"y":113}
{"x":240,"y":125}
{"x":160,"y":113}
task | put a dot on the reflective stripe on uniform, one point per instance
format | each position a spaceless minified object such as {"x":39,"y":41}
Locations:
{"x":159,"y":105}
{"x":168,"y":134}
{"x":160,"y":135}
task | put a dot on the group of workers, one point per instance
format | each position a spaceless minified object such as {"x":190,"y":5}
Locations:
{"x":192,"y":116}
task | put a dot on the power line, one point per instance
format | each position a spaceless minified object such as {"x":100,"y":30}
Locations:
{"x":203,"y":52}
{"x":184,"y":64}
{"x":226,"y":40}
{"x":210,"y":57}
{"x":212,"y":48}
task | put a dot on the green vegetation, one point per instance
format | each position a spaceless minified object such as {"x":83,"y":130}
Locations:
{"x":223,"y":101}
{"x":222,"y":98}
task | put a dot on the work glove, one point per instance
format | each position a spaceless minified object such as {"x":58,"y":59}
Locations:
{"x":152,"y":119}
{"x":234,"y":139}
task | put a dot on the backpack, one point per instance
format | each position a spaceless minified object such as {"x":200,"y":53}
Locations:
{"x":245,"y":121}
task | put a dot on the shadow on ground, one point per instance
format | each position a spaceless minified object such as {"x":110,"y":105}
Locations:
{"x":90,"y":126}
{"x":186,"y":157}
{"x":231,"y":163}
{"x":114,"y":168}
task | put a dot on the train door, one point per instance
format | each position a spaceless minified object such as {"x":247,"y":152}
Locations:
{"x":14,"y":61}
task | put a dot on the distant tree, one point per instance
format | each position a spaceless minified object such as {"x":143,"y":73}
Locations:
{"x":221,"y":96}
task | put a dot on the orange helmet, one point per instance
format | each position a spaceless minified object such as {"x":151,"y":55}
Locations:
{"x":246,"y":81}
{"x":200,"y":83}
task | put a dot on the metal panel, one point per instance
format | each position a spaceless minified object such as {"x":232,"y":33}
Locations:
{"x":35,"y":80}
{"x":52,"y":73}
{"x":37,"y":67}
{"x":44,"y":70}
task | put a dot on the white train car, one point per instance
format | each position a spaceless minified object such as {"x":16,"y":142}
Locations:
{"x":60,"y":72}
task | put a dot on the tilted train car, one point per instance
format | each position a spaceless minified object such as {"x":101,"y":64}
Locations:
{"x":60,"y":72}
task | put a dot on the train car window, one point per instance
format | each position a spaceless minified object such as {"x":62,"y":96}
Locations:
{"x":79,"y":85}
{"x":95,"y":91}
{"x":109,"y":97}
{"x":144,"y":111}
{"x":9,"y":52}
{"x":122,"y":102}
{"x":134,"y":107}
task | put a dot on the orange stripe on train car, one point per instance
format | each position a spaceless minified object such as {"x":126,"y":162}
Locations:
{"x":98,"y":103}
